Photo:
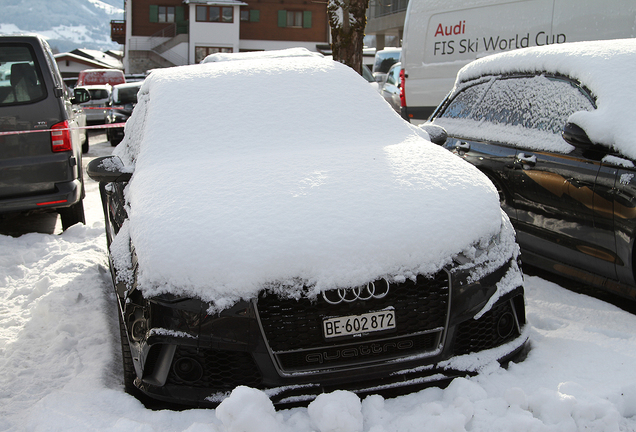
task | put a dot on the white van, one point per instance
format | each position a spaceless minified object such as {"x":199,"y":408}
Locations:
{"x":441,"y":37}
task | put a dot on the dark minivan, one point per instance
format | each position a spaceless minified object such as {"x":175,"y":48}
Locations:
{"x":40,"y":142}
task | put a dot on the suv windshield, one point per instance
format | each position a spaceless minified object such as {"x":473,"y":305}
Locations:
{"x":20,"y":76}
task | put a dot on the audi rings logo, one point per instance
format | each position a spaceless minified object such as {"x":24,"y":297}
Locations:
{"x":377,"y":290}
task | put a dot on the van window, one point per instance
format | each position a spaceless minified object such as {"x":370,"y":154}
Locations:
{"x":385,"y":59}
{"x":20,"y":76}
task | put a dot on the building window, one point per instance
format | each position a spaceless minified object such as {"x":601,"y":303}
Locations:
{"x":202,"y":52}
{"x":297,"y":19}
{"x":215,"y":14}
{"x":250,"y":15}
{"x":166,"y":14}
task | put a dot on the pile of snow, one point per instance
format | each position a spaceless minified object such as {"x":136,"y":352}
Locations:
{"x":302,"y":186}
{"x":606,"y":68}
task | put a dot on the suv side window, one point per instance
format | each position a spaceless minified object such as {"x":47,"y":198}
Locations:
{"x":541,"y":103}
{"x":464,"y":102}
{"x":525,"y":111}
{"x":57,"y":77}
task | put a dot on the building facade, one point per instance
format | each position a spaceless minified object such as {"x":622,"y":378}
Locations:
{"x":163,"y":33}
{"x":385,"y":21}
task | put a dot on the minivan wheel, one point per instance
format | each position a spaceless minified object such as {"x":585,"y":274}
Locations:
{"x":115,"y":140}
{"x":72,"y":215}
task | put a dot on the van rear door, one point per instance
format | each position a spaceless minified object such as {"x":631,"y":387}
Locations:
{"x":29,"y":108}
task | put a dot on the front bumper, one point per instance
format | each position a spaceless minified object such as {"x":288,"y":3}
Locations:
{"x":183,"y":355}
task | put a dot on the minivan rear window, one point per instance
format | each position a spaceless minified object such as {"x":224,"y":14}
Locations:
{"x":20,"y":76}
{"x":98,"y":93}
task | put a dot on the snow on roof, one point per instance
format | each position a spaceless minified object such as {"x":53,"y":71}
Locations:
{"x":288,"y":171}
{"x":606,"y":68}
{"x":290,"y":52}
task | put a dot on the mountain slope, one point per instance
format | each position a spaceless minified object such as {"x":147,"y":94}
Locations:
{"x":66,"y":24}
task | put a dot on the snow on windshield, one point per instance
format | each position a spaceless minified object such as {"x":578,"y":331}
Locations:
{"x":265,"y":171}
{"x":606,"y":68}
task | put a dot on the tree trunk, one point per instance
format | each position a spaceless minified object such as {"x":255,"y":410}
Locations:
{"x":347,"y":19}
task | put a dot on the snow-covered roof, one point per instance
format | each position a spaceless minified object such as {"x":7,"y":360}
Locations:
{"x":251,"y":55}
{"x":288,"y":171}
{"x":606,"y":68}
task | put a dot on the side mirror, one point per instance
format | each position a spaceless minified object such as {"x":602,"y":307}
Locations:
{"x":576,"y":136}
{"x":80,"y":95}
{"x":108,"y":169}
{"x":437,"y":134}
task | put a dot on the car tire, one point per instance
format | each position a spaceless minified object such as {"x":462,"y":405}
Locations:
{"x":114,"y":141}
{"x":72,"y":215}
{"x":127,"y":361}
{"x":85,"y":145}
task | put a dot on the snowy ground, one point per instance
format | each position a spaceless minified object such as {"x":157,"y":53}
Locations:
{"x":60,"y":363}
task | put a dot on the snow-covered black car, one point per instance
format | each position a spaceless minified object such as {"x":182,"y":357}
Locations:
{"x":282,"y":242}
{"x":553,"y":127}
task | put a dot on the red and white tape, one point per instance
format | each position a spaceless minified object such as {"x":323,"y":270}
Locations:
{"x":102,"y":126}
{"x":103,"y":108}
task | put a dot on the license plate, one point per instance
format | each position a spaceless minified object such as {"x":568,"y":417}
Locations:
{"x":357,"y":324}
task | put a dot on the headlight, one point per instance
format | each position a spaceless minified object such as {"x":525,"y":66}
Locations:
{"x":490,"y":253}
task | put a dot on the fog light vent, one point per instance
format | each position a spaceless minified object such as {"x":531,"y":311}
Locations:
{"x":505,"y":325}
{"x":188,"y":369}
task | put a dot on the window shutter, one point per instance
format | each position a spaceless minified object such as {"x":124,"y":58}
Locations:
{"x":255,"y":15}
{"x":306,"y":19}
{"x":154,"y":13}
{"x":282,"y":18}
{"x":179,"y":14}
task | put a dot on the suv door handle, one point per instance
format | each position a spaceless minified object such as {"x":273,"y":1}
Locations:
{"x":462,"y":146}
{"x":524,"y":159}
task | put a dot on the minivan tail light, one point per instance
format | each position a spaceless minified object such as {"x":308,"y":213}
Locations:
{"x":61,"y":137}
{"x":402,"y":84}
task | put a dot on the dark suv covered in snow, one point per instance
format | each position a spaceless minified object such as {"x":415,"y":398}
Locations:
{"x":40,"y":142}
{"x":553,"y":128}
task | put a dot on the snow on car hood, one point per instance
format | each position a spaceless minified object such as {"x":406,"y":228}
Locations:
{"x":606,"y":68}
{"x":288,"y":172}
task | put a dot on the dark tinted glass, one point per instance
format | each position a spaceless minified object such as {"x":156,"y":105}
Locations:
{"x":20,"y":76}
{"x":539,"y":103}
{"x":462,"y":105}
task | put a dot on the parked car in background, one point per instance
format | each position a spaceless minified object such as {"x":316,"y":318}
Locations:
{"x":554,"y":129}
{"x":100,"y":77}
{"x":95,"y":108}
{"x":384,"y":59}
{"x":122,"y":101}
{"x":303,"y":262}
{"x":390,"y":89}
{"x":442,"y":36}
{"x":41,"y":145}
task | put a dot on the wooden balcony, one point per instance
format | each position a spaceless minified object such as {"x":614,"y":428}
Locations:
{"x":118,"y":31}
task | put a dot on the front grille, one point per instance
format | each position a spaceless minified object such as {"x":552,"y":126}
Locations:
{"x":220,"y":370}
{"x":293,"y":328}
{"x":486,"y":332}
